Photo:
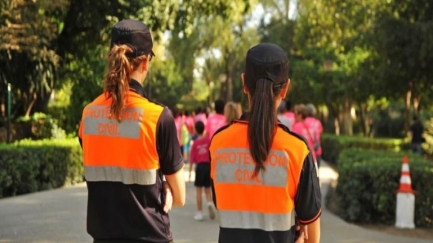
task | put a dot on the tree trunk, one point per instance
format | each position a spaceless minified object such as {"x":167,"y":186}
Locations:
{"x":229,"y":86}
{"x":2,"y":108}
{"x":223,"y":90}
{"x":416,"y":101}
{"x":337,"y":125}
{"x":347,"y":117}
{"x":29,"y":107}
{"x":363,"y":117}
{"x":407,"y":111}
{"x":334,"y":110}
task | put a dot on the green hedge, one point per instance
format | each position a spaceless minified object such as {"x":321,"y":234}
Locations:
{"x":367,"y":184}
{"x":29,"y":166}
{"x":428,"y":135}
{"x":331,"y":148}
{"x":333,"y":145}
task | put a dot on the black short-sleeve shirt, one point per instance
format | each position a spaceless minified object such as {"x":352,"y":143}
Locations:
{"x":133,"y":213}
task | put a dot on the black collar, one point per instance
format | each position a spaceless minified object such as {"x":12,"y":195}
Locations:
{"x":136,"y":87}
{"x":244,"y":116}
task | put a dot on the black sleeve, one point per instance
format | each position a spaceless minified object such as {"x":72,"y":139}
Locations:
{"x":212,"y":184}
{"x":308,"y":198}
{"x":213,"y":193}
{"x":167,"y":144}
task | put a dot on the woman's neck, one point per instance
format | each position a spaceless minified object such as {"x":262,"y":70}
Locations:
{"x":139,"y":76}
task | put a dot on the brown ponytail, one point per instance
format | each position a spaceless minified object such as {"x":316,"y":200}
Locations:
{"x":262,"y":121}
{"x":116,"y":80}
{"x":265,"y":77}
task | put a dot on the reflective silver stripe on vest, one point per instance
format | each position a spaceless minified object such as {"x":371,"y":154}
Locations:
{"x":97,"y":121}
{"x":118,"y":174}
{"x":235,"y":165}
{"x":254,"y":220}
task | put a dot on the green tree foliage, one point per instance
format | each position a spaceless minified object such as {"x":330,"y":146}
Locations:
{"x":165,"y":82}
{"x":27,"y":54}
{"x":183,"y":49}
{"x":43,"y":42}
{"x":227,"y":40}
{"x":331,"y":37}
{"x":279,"y":9}
{"x":404,"y":41}
{"x":347,"y":53}
{"x":343,"y":53}
{"x":64,"y":39}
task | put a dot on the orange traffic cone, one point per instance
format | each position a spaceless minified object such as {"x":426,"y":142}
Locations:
{"x":405,"y":208}
{"x":405,"y":181}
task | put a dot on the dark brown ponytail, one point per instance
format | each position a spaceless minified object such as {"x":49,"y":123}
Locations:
{"x":262,"y":121}
{"x":265,"y":77}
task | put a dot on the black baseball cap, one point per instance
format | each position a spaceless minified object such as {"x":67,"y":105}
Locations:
{"x":268,"y":61}
{"x":135,"y":34}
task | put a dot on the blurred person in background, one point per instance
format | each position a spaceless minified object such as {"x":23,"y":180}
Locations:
{"x":215,"y":120}
{"x":200,"y":158}
{"x":289,"y":113}
{"x":231,"y":112}
{"x":283,"y":119}
{"x":417,"y":129}
{"x":200,"y":115}
{"x":301,"y":128}
{"x":316,"y":128}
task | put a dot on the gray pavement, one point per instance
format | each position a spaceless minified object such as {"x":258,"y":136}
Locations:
{"x":60,"y":216}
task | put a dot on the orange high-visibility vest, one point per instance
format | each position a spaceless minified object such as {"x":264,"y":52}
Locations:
{"x":120,"y":151}
{"x":265,"y":202}
{"x":124,"y":163}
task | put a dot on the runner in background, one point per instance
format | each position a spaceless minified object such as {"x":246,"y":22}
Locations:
{"x":200,"y":116}
{"x":187,"y":134}
{"x":178,"y":121}
{"x":215,"y":120}
{"x":301,"y":128}
{"x":189,"y":122}
{"x":316,"y":129}
{"x":200,"y":157}
{"x":182,"y":133}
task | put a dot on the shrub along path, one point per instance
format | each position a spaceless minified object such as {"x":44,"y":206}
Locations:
{"x":60,"y":215}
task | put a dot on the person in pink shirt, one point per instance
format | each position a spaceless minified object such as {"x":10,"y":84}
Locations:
{"x":300,"y":127}
{"x":316,"y":128}
{"x":200,"y":116}
{"x":189,"y":121}
{"x":200,"y":157}
{"x":216,"y":120}
{"x":187,"y":131}
{"x":289,"y":114}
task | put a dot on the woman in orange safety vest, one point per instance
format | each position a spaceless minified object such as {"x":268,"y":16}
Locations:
{"x":130,"y":146}
{"x":264,"y":178}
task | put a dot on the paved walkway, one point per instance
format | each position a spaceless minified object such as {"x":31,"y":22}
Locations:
{"x":60,"y":216}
